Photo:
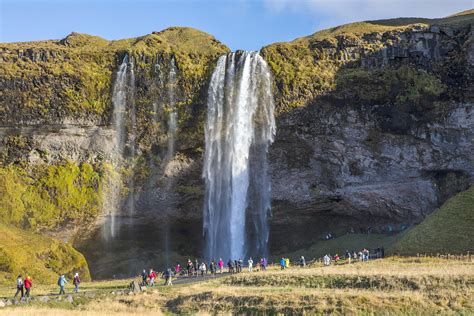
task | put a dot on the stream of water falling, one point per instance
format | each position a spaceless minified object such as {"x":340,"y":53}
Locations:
{"x":123,"y":94}
{"x":239,"y":129}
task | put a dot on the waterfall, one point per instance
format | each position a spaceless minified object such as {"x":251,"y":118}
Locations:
{"x":173,"y":115}
{"x":123,"y":94}
{"x":239,"y":129}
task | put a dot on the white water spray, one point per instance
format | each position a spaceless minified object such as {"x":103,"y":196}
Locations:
{"x":240,"y":126}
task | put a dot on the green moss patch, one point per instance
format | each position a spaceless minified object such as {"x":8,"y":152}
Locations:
{"x":42,"y":258}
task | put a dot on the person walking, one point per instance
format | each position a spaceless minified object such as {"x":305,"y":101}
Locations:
{"x":144,"y":276}
{"x":168,"y":276}
{"x":287,"y":262}
{"x":250,"y":263}
{"x":221,"y":264}
{"x":196,"y":268}
{"x":326,"y":260}
{"x":177,"y":269}
{"x":282,"y":263}
{"x":19,"y":286}
{"x":28,"y":284}
{"x":202,"y":268}
{"x":152,"y":277}
{"x":189,"y":267}
{"x":264,"y":264}
{"x":302,"y":262}
{"x":75,"y":281}
{"x":62,"y":283}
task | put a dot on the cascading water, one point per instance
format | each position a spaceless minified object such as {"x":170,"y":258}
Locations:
{"x":173,"y":115}
{"x":239,"y":129}
{"x":122,"y":94}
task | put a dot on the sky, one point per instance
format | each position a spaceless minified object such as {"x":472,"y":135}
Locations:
{"x":240,"y":24}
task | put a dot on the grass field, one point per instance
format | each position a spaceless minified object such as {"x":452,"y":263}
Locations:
{"x":387,"y":286}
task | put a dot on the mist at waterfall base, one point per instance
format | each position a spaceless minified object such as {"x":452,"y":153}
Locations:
{"x":136,"y":233}
{"x":239,"y":129}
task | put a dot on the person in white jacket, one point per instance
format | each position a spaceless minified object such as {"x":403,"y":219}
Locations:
{"x":250,"y":263}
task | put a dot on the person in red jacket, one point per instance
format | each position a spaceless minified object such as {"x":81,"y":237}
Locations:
{"x":152,"y":277}
{"x":28,"y":284}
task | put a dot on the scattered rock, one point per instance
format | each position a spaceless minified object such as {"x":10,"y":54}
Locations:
{"x":2,"y":304}
{"x":43,"y":299}
{"x":135,"y":287}
{"x":69,"y":299}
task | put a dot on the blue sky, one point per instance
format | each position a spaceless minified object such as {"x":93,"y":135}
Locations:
{"x":240,"y":24}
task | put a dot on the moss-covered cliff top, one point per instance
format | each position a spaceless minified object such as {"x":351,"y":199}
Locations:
{"x":313,"y":66}
{"x":48,"y":81}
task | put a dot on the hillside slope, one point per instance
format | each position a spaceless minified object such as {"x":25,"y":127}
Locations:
{"x":42,"y":258}
{"x":449,"y":229}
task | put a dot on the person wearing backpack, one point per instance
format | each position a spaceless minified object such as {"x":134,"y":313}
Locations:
{"x":19,"y":286}
{"x":62,"y":283}
{"x":76,"y":282}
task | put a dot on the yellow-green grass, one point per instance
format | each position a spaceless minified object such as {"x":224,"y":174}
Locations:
{"x":448,"y":230}
{"x":395,"y":285}
{"x":40,"y":257}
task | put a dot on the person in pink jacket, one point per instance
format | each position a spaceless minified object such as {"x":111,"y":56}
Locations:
{"x":221,"y":265}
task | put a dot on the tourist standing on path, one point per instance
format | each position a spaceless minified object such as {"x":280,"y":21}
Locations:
{"x":144,"y":276}
{"x":221,"y":264}
{"x":287,"y":263}
{"x":189,"y":267}
{"x":76,"y":282}
{"x":250,"y":263}
{"x":326,"y":260}
{"x":202,"y":268}
{"x":282,"y":263}
{"x":168,"y":275}
{"x":265,"y":263}
{"x":152,"y":276}
{"x":348,"y":256}
{"x":302,"y":262}
{"x":28,"y":284}
{"x":196,"y":267}
{"x":19,"y":286}
{"x":177,"y":269}
{"x":62,"y":283}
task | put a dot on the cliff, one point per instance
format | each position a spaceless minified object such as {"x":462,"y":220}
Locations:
{"x":375,"y":130}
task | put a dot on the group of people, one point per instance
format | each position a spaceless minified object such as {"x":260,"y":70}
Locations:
{"x":363,"y":256}
{"x":23,"y":286}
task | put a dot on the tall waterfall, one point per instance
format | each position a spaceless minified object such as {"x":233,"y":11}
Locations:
{"x":239,"y":129}
{"x":122,"y":95}
{"x":173,"y":115}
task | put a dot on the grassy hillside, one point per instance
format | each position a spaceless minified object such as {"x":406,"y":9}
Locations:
{"x":449,"y":229}
{"x":327,"y":62}
{"x":58,"y":79}
{"x":40,"y":257}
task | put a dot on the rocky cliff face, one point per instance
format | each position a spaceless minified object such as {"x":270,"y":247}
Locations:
{"x":375,"y":129}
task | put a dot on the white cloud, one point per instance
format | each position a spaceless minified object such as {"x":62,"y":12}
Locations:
{"x":360,"y":10}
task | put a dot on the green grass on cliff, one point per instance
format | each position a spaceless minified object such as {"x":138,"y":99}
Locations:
{"x":49,"y":196}
{"x":315,"y":65}
{"x":73,"y":76}
{"x":448,"y":230}
{"x":40,"y":257}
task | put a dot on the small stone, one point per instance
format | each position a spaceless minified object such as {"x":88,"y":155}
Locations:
{"x":69,"y":299}
{"x":2,"y":304}
{"x":43,"y":299}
